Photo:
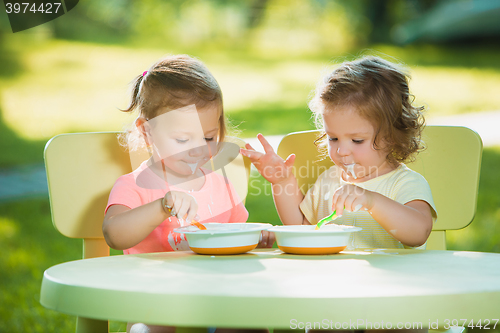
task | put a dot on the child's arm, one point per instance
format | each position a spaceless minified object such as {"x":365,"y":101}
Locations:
{"x":287,"y":198}
{"x":410,"y":223}
{"x":286,"y":192}
{"x":124,"y":228}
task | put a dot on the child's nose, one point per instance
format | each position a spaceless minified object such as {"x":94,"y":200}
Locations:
{"x":342,"y":150}
{"x":198,"y":151}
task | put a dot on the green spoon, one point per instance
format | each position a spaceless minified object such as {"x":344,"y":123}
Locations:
{"x":330,"y":218}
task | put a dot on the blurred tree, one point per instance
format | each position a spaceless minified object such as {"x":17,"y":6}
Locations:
{"x":294,"y":27}
{"x":378,"y":14}
{"x":98,"y":21}
{"x":309,"y":27}
{"x":256,"y":12}
{"x":383,"y":15}
{"x":271,"y":27}
{"x":9,"y":60}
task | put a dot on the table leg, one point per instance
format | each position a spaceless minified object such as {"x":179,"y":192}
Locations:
{"x":86,"y":325}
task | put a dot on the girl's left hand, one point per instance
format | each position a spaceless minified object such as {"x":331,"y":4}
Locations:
{"x":267,"y":239}
{"x":352,"y":198}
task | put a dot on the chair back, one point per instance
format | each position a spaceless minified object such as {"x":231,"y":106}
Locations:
{"x":450,"y":163}
{"x":83,"y":167}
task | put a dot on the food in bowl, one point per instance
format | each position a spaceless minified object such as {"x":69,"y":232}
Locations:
{"x":303,"y":239}
{"x":223,"y":238}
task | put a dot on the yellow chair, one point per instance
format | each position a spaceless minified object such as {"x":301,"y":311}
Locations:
{"x":81,"y":170}
{"x":451,"y":164}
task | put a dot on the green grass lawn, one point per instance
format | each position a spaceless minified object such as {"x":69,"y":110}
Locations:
{"x":29,"y":245}
{"x":69,"y":86}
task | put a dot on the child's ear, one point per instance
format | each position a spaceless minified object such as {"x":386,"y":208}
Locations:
{"x":143,"y":128}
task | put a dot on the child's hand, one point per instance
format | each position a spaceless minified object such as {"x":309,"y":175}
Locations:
{"x":272,"y":167}
{"x":184,"y":205}
{"x":267,"y":239}
{"x":352,"y":198}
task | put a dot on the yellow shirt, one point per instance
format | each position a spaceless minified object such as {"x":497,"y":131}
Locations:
{"x":401,"y":185}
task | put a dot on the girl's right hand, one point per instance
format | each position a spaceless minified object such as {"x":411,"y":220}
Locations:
{"x":184,"y":205}
{"x":272,"y":167}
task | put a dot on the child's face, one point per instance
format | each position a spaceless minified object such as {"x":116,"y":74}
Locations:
{"x":350,"y":145}
{"x":185,"y":138}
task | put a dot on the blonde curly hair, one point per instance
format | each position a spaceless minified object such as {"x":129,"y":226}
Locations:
{"x":379,"y":91}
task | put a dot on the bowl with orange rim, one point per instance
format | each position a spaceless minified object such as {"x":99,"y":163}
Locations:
{"x":304,"y":239}
{"x":223,"y":238}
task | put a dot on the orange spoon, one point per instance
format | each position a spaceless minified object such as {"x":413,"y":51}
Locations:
{"x":199,"y":225}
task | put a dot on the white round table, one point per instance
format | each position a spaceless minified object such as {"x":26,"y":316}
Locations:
{"x":267,"y":288}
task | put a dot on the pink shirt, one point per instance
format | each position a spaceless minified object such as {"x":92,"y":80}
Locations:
{"x":217,"y":202}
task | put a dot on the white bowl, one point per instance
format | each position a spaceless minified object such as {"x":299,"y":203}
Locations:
{"x":223,"y":238}
{"x":303,"y":239}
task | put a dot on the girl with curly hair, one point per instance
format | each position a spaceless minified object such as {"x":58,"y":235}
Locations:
{"x":370,"y":128}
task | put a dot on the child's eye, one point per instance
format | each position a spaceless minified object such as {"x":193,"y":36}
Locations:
{"x":209,"y":139}
{"x":332,"y":139}
{"x":358,"y":141}
{"x":181,"y":140}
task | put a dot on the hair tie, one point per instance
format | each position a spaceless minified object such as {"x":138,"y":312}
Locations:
{"x":144,"y":73}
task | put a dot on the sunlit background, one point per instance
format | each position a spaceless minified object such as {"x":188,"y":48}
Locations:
{"x":73,"y":74}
